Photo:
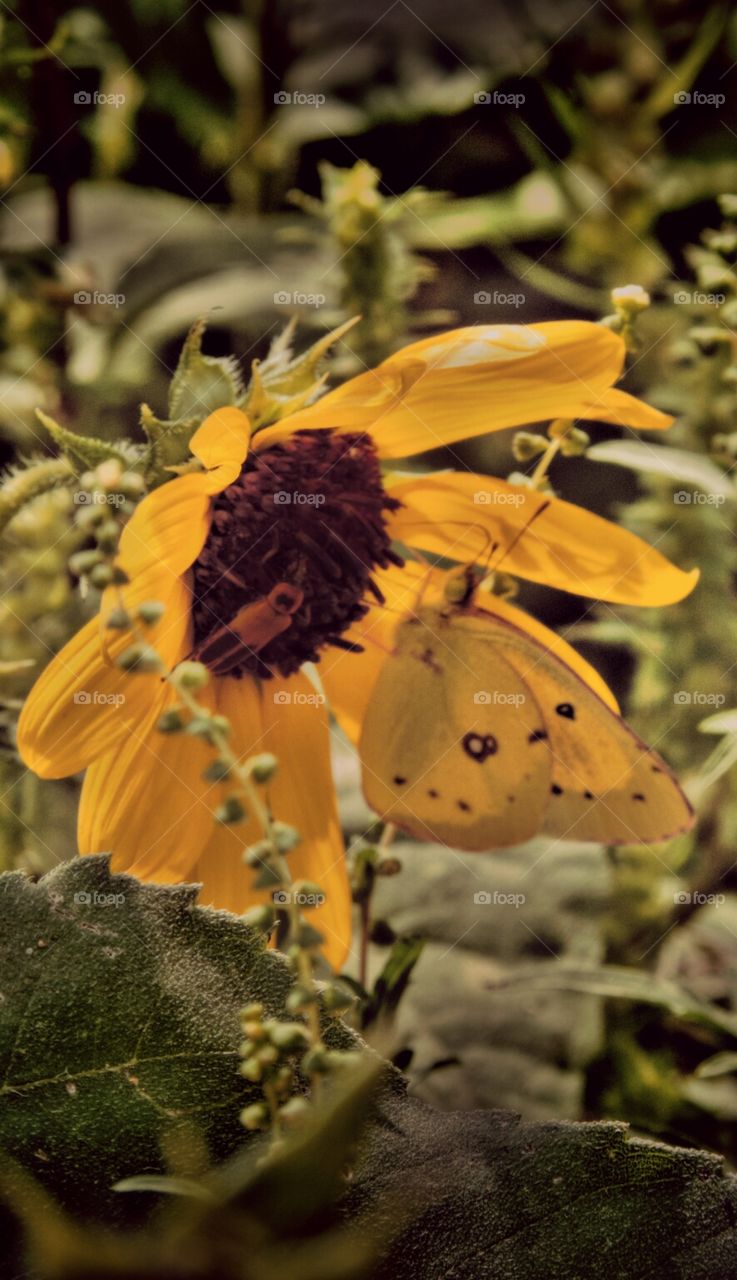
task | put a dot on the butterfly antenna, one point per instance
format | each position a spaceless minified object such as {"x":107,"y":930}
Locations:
{"x":492,"y":568}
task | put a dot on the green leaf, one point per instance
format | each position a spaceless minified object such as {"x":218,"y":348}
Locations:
{"x":620,"y":983}
{"x":85,"y":449}
{"x":393,"y":980}
{"x":680,"y":465}
{"x":120,"y":1025}
{"x":202,"y":383}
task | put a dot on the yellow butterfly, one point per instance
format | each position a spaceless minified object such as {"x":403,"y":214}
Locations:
{"x":478,"y":736}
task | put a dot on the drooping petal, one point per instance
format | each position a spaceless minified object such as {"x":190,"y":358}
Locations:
{"x":169,"y":527}
{"x":349,"y":678}
{"x":302,"y":793}
{"x":290,"y":721}
{"x":82,"y":705}
{"x":147,"y":802}
{"x":470,"y":517}
{"x":474,"y":380}
{"x":221,"y":444}
{"x":625,"y":410}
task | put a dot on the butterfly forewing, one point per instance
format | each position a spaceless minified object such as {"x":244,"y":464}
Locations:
{"x":479,"y":736}
{"x":607,"y":785}
{"x":444,"y":749}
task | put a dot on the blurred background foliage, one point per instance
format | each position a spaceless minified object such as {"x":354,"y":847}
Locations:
{"x":426,"y":166}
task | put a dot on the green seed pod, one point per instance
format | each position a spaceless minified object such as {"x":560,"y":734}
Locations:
{"x":217,"y":771}
{"x":83,"y":562}
{"x":261,"y":918}
{"x":108,"y":535}
{"x":118,"y":620}
{"x":288,"y":1036}
{"x":285,"y":837}
{"x":294,"y":1111}
{"x":316,"y":1061}
{"x":101,"y":576}
{"x":300,"y":998}
{"x":170,"y":722}
{"x":139,"y":658}
{"x":253,"y":1011}
{"x":150,"y":611}
{"x":251,"y":1069}
{"x":336,"y":1001}
{"x":255,"y":1117}
{"x":191,"y":675}
{"x":263,"y":767}
{"x":526,"y":446}
{"x":230,"y":811}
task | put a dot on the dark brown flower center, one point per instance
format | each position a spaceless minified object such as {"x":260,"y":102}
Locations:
{"x":287,"y":564}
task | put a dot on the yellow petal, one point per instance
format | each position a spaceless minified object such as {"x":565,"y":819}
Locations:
{"x":221,"y":444}
{"x":349,"y":678}
{"x":626,"y":411}
{"x":147,"y":802}
{"x":169,"y":527}
{"x":465,"y":517}
{"x":81,"y":706}
{"x":471,"y":381}
{"x":302,"y":793}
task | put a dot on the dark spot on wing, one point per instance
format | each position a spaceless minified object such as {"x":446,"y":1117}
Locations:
{"x":480,"y":746}
{"x":567,"y":710}
{"x":433,"y":794}
{"x":638,"y":796}
{"x":656,"y":768}
{"x":556,"y":790}
{"x":587,"y":795}
{"x":538,"y":735}
{"x":399,"y":780}
{"x":463,"y":804}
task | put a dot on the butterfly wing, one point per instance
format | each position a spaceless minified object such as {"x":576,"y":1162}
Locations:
{"x":606,"y":784}
{"x":442,"y":756}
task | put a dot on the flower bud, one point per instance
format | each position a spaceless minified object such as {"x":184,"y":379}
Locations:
{"x":191,"y":675}
{"x":230,"y":811}
{"x":255,"y":1117}
{"x":263,"y":767}
{"x":150,"y":611}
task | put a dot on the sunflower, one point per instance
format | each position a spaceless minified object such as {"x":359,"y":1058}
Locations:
{"x":283,"y":549}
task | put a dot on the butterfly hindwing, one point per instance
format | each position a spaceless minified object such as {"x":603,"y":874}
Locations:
{"x":440,"y":758}
{"x":480,"y":736}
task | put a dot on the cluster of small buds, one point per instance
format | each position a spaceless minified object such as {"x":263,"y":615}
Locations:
{"x":573,"y":441}
{"x":629,"y":301}
{"x":274,"y":1052}
{"x":105,"y":499}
